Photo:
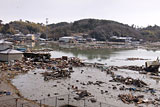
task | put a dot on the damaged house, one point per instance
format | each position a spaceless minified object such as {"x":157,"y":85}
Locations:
{"x":7,"y":53}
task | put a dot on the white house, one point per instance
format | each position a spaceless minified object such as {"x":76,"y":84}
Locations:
{"x":121,"y":39}
{"x":30,"y":37}
{"x":66,"y":39}
{"x":10,"y":54}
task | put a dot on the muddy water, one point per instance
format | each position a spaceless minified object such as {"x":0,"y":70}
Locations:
{"x":32,"y":86}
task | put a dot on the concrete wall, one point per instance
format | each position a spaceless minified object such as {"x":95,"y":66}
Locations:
{"x":9,"y":57}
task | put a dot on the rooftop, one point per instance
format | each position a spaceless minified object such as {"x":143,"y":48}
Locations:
{"x":12,"y":51}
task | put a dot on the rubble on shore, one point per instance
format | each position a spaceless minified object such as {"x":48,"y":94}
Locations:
{"x":82,"y":94}
{"x":128,"y":81}
{"x":134,"y":68}
{"x":130,"y":98}
{"x":133,"y":59}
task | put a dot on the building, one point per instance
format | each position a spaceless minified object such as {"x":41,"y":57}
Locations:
{"x":67,"y":39}
{"x":5,"y":45}
{"x":10,"y":55}
{"x":7,"y":53}
{"x":19,"y":37}
{"x":120,"y":39}
{"x":30,"y":37}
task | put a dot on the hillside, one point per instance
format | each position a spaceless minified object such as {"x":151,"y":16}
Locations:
{"x":99,"y":29}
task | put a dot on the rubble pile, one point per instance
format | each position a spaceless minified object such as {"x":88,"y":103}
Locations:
{"x":128,"y":81}
{"x":60,"y":67}
{"x":56,"y":74}
{"x":96,"y":83}
{"x":82,"y":94}
{"x":134,"y":68}
{"x":133,"y":59}
{"x":129,"y":98}
{"x":37,"y":57}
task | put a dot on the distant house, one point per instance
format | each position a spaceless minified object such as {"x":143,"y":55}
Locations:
{"x":67,"y":39}
{"x":91,"y":39}
{"x":120,"y":39}
{"x":30,"y":37}
{"x":10,"y":55}
{"x":42,"y":39}
{"x":19,"y":37}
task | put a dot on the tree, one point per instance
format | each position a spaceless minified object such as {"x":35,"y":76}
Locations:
{"x":1,"y":22}
{"x":6,"y":29}
{"x":43,"y":35}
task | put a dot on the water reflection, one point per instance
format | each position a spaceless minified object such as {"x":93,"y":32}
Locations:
{"x":110,"y":56}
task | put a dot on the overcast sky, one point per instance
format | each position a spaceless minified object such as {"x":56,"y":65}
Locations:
{"x":138,"y":12}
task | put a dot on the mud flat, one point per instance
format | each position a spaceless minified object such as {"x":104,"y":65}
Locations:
{"x":95,"y":81}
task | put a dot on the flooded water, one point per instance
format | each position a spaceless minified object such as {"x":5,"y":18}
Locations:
{"x":109,"y":56}
{"x":33,"y":86}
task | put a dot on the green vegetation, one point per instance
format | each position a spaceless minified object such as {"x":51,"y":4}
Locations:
{"x":99,"y":29}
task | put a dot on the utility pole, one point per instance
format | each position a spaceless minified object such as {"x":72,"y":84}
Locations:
{"x":46,"y":28}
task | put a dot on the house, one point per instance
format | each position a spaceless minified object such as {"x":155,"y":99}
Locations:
{"x":42,"y":39}
{"x":19,"y":37}
{"x":67,"y":39}
{"x":5,"y":45}
{"x":7,"y":53}
{"x":10,"y":55}
{"x":91,"y":39}
{"x":30,"y":37}
{"x":120,"y":39}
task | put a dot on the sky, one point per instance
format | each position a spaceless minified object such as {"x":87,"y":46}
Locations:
{"x":138,"y":12}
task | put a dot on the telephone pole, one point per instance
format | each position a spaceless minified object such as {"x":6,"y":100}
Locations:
{"x":46,"y":28}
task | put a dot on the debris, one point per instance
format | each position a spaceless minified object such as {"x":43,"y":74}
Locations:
{"x":129,"y":98}
{"x":82,"y":94}
{"x":93,"y":100}
{"x":60,"y":98}
{"x":114,"y":88}
{"x":134,"y":68}
{"x":152,"y":66}
{"x":128,"y":81}
{"x":48,"y":95}
{"x":133,"y":59}
{"x":56,"y":75}
{"x":64,"y":58}
{"x":96,"y":83}
{"x":56,"y":93}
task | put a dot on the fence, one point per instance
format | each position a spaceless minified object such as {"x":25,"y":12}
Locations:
{"x":58,"y":101}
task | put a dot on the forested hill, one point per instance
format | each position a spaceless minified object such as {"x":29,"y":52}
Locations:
{"x":99,"y":29}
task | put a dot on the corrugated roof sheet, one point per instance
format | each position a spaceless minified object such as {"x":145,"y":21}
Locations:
{"x":10,"y":51}
{"x":3,"y":41}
